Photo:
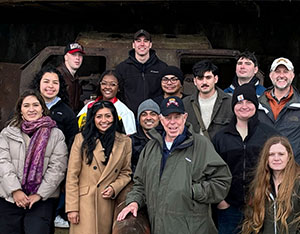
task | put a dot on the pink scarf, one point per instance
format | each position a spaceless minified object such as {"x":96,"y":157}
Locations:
{"x":34,"y":161}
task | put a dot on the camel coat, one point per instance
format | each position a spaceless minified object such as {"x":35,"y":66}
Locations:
{"x":85,"y":183}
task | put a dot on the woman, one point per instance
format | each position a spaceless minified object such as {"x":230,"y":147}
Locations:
{"x":274,"y":204}
{"x":239,"y":145}
{"x":108,"y":91}
{"x":99,"y":168}
{"x":33,"y":160}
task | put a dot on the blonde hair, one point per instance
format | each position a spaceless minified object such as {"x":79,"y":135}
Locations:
{"x":260,"y":189}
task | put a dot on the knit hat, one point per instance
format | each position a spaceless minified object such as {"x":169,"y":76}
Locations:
{"x":172,"y":70}
{"x":244,"y":92}
{"x":172,"y":104}
{"x":148,"y":105}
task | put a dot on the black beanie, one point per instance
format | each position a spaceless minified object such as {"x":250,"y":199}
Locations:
{"x":244,"y":92}
{"x":172,"y":70}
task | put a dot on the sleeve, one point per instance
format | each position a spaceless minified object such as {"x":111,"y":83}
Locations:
{"x":211,"y":181}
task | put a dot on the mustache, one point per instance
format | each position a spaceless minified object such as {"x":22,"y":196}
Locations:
{"x":204,"y":86}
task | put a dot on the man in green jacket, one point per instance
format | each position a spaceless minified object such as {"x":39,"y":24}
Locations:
{"x":178,"y":175}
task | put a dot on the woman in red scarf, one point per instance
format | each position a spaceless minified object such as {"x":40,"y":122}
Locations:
{"x":33,"y":160}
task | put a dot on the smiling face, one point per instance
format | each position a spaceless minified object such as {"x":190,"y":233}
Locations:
{"x":149,"y":119}
{"x":171,"y":85}
{"x":278,"y":157}
{"x":31,"y":108}
{"x":244,"y":110}
{"x":109,"y":87}
{"x":49,"y":86}
{"x":282,"y":78}
{"x":103,"y":119}
{"x":142,"y":46}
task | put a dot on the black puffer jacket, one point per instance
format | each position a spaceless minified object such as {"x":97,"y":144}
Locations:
{"x":139,"y":81}
{"x":241,"y":156}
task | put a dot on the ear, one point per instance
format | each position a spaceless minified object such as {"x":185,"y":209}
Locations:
{"x":150,"y":45}
{"x":185,"y":115}
{"x":255,"y":69}
{"x":216,"y":79}
{"x":133,"y":46}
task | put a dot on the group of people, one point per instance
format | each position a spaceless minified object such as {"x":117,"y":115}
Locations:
{"x":217,"y":161}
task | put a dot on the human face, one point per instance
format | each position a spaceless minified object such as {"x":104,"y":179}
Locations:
{"x":109,"y":87}
{"x":206,"y":83}
{"x":103,"y":119}
{"x":31,"y":108}
{"x":282,"y":78}
{"x":49,"y":86}
{"x":278,"y":157}
{"x":170,"y":84}
{"x":244,"y":110}
{"x":173,"y":125}
{"x":245,"y":69}
{"x":149,"y":119}
{"x":73,"y":61}
{"x":141,"y":46}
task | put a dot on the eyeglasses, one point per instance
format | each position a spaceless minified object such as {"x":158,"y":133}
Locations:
{"x":173,"y":79}
{"x":110,"y":84}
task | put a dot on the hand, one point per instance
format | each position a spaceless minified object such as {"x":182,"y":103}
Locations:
{"x":73,"y":217}
{"x":108,"y":192}
{"x":223,"y":205}
{"x":33,"y":198}
{"x":20,"y":198}
{"x":131,"y":208}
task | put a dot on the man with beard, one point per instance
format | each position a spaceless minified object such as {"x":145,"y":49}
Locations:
{"x":140,"y":73}
{"x":246,"y":68}
{"x":280,"y":104}
{"x":209,"y":108}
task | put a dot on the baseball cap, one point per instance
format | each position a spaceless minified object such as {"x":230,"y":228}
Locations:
{"x":142,"y":32}
{"x":172,"y":104}
{"x":74,"y":47}
{"x":148,"y":105}
{"x":282,"y":61}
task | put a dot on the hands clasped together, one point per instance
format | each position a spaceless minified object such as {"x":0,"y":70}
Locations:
{"x":22,"y":200}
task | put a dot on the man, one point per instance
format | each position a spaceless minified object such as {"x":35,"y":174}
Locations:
{"x":178,"y":175}
{"x":171,"y":83}
{"x":73,"y":58}
{"x":246,"y":68}
{"x":209,"y":106}
{"x":147,"y":116}
{"x":140,"y":74}
{"x":280,"y":104}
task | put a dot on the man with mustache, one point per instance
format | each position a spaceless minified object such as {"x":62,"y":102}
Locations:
{"x":209,"y":108}
{"x":280,"y":104}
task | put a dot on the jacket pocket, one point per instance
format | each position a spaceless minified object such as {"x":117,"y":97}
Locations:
{"x":84,"y":190}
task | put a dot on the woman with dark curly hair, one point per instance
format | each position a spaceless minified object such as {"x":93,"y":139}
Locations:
{"x":98,"y":169}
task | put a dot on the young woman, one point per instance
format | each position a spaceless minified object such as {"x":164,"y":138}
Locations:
{"x":33,"y":161}
{"x":274,"y":199}
{"x":99,"y":168}
{"x":108,"y":91}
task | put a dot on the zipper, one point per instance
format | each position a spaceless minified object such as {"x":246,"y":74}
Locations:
{"x":275,"y":212}
{"x":244,"y":171}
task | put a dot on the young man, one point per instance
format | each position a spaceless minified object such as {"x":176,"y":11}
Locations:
{"x":73,"y":58}
{"x":209,"y":106}
{"x":280,"y":104}
{"x":171,"y":83}
{"x":246,"y":68}
{"x":140,"y":74}
{"x":178,"y":175}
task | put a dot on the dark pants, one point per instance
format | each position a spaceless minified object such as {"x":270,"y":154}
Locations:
{"x":230,"y":220}
{"x":16,"y":220}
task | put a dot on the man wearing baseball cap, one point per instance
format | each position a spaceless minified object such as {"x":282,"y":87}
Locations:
{"x":140,"y":73}
{"x":178,"y":175}
{"x":280,"y":104}
{"x":73,"y":57}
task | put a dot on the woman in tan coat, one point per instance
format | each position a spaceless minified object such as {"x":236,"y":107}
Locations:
{"x":99,"y":168}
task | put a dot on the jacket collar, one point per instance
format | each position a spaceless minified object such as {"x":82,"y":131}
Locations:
{"x":235,"y":82}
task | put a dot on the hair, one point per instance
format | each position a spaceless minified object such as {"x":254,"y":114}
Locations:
{"x":17,"y":117}
{"x":90,"y":132}
{"x":35,"y":84}
{"x":260,"y":189}
{"x":106,"y":73}
{"x":203,"y":66}
{"x":248,"y":55}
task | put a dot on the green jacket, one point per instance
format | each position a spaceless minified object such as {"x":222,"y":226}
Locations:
{"x":194,"y":176}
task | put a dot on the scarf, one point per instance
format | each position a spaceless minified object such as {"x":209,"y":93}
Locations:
{"x":107,"y":140}
{"x":34,"y":161}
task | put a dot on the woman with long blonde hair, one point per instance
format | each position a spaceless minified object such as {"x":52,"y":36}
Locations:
{"x":274,"y":198}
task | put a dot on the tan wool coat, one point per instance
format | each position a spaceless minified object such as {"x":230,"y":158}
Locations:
{"x":85,"y":183}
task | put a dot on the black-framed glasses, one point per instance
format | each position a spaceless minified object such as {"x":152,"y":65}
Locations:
{"x":173,"y":79}
{"x":110,"y":84}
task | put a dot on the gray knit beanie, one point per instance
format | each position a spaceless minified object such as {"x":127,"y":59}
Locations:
{"x":148,"y":105}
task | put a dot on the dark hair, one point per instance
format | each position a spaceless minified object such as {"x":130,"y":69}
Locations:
{"x":203,"y":66}
{"x":91,"y":133}
{"x":17,"y":118}
{"x":248,"y":55}
{"x":105,"y":73}
{"x":35,"y":83}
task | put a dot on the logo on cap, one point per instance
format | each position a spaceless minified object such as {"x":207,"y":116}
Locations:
{"x":240,"y":98}
{"x":172,"y":101}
